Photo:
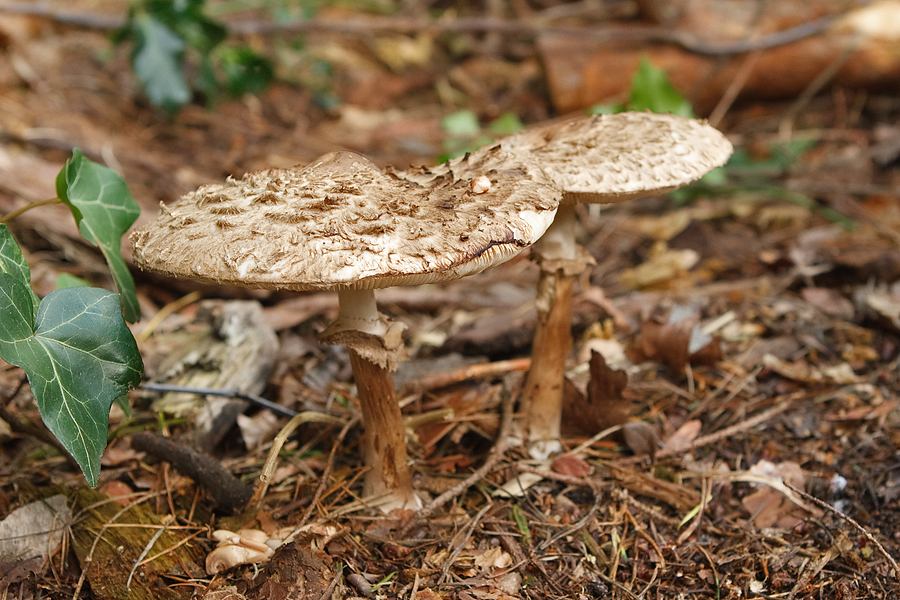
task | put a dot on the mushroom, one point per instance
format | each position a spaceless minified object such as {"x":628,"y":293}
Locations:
{"x":342,"y":224}
{"x":231,"y":555}
{"x":599,"y":159}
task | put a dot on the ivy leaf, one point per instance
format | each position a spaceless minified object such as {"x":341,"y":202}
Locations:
{"x":104,"y":210}
{"x":651,"y":90}
{"x":79,"y":356}
{"x":186,"y":19}
{"x":157,"y":61}
{"x":246,"y":72}
{"x":13,"y":262}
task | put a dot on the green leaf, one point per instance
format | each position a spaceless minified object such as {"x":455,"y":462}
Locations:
{"x":186,"y":19}
{"x":13,"y":262}
{"x":461,"y":123}
{"x":521,"y":523}
{"x":157,"y":61}
{"x":104,"y":210}
{"x":79,"y":356}
{"x":651,"y":90}
{"x":246,"y":72}
{"x":506,"y":124}
{"x":67,"y":280}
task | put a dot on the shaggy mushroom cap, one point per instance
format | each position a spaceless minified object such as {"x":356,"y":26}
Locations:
{"x":610,"y":158}
{"x":342,"y":223}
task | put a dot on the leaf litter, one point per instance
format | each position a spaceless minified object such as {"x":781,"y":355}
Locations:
{"x":794,"y":386}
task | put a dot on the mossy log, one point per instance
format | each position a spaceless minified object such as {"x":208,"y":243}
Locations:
{"x":122,"y":539}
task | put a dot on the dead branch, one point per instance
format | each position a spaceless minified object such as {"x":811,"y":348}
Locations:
{"x":404,"y":25}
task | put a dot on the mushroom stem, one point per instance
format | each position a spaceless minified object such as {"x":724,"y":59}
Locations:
{"x":542,"y":394}
{"x":384,"y":445}
{"x":359,"y":313}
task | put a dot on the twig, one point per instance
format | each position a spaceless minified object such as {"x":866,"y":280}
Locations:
{"x":478,"y":371}
{"x":554,"y":476}
{"x":728,"y":431}
{"x":496,"y":454}
{"x":815,"y":86}
{"x":24,"y":426}
{"x":227,"y":491}
{"x":466,"y":533}
{"x":828,"y":508}
{"x":479,"y":24}
{"x":227,"y":393}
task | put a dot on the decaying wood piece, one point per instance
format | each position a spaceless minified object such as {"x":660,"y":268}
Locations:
{"x":108,"y":551}
{"x":582,"y":72}
{"x":228,"y":345}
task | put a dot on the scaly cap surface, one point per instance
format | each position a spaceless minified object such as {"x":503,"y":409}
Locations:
{"x":610,"y":158}
{"x":342,"y":223}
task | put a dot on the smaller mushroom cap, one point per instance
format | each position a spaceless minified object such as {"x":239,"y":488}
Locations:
{"x":610,"y":158}
{"x":342,"y":223}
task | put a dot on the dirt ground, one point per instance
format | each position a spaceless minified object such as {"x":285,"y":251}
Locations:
{"x":774,"y":470}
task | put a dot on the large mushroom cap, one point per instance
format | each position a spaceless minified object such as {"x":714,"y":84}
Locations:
{"x":610,"y":158}
{"x":341,"y":223}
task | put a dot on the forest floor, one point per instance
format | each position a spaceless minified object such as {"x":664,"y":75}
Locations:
{"x":790,"y":273}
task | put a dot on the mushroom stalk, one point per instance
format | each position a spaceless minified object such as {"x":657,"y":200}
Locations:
{"x":359,"y":312}
{"x":384,"y":447}
{"x":558,"y":257}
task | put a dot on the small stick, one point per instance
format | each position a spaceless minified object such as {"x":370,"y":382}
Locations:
{"x":228,"y":393}
{"x":479,"y":371}
{"x":375,"y":24}
{"x":827,"y":507}
{"x":225,"y":488}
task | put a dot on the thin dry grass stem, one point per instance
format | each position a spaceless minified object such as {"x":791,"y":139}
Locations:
{"x":643,"y":533}
{"x":651,"y":511}
{"x":170,"y":308}
{"x":705,"y":487}
{"x":585,"y":445}
{"x":828,"y":508}
{"x":463,"y":537}
{"x":493,"y":458}
{"x":734,"y":88}
{"x":479,"y":371}
{"x":572,"y":529}
{"x":268,"y":470}
{"x":166,"y":521}
{"x":741,"y":385}
{"x":326,"y":473}
{"x":786,"y":126}
{"x":712,"y":563}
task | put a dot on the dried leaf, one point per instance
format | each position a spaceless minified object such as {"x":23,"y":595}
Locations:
{"x":604,"y":405}
{"x":571,"y":465}
{"x":641,"y":437}
{"x":677,"y":341}
{"x":683,"y":437}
